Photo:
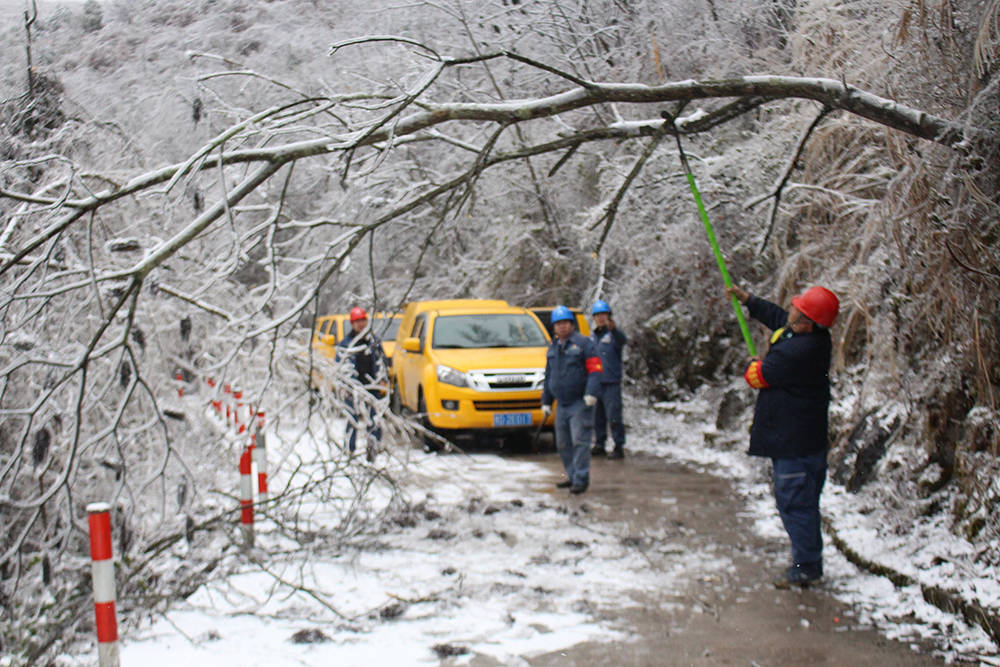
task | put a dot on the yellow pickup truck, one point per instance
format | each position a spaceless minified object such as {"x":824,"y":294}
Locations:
{"x":469,"y":365}
{"x":331,"y":329}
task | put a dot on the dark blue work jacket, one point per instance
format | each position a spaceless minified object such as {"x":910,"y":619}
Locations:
{"x":368,"y":363}
{"x":572,"y":369}
{"x":609,"y":343}
{"x":791,"y":416}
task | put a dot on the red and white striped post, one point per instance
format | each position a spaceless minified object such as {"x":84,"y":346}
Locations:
{"x":227,"y":390}
{"x":238,"y":396}
{"x":103,"y":572}
{"x":259,"y":446}
{"x":216,"y":404}
{"x":246,"y":496}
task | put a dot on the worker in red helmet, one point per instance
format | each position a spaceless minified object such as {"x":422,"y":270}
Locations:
{"x":366,"y":364}
{"x":358,"y":316}
{"x":790,"y":421}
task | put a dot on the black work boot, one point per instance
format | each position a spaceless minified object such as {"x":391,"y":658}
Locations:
{"x":617,"y":453}
{"x":598,"y":451}
{"x":801,"y":575}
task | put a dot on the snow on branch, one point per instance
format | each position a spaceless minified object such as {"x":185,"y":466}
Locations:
{"x":99,"y":274}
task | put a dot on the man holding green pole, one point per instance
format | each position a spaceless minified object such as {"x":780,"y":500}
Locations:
{"x":790,"y":420}
{"x":791,"y":416}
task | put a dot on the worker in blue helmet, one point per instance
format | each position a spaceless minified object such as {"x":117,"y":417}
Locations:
{"x":610,"y":342}
{"x":572,"y":377}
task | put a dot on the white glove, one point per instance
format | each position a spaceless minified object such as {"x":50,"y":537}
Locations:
{"x":589,"y":401}
{"x":546,"y":410}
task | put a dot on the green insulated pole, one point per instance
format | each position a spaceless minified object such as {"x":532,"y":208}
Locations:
{"x":711,"y":238}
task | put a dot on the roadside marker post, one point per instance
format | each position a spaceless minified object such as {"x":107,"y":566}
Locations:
{"x":246,"y":497}
{"x":103,"y":574}
{"x":259,"y":446}
{"x":237,"y":408}
{"x":216,"y":403}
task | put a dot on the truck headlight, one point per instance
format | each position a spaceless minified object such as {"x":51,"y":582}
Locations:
{"x":449,"y":375}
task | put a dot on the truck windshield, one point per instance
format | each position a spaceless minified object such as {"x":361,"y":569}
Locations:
{"x":386,"y":327}
{"x":480,"y":331}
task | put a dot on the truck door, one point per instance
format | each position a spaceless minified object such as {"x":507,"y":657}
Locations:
{"x":413,"y":364}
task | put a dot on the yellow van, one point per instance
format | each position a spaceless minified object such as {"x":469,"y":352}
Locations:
{"x":331,"y":329}
{"x":386,"y":326}
{"x":470,"y":365}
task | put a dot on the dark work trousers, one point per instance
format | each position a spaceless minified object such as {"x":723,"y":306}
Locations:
{"x":608,"y":413}
{"x":798,"y":483}
{"x":574,"y":428}
{"x":354,"y":417}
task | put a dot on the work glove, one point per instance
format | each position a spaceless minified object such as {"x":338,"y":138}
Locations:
{"x":546,"y":410}
{"x":589,"y":401}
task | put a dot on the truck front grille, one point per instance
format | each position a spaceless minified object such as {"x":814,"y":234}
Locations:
{"x":521,"y":404}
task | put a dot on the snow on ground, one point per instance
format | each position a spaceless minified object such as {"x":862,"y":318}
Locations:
{"x":927,"y":552}
{"x":499,"y":565}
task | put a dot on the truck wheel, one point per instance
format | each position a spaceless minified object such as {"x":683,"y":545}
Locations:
{"x":430,"y":444}
{"x":395,"y":400}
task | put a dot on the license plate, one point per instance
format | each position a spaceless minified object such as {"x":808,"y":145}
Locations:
{"x":512,"y":419}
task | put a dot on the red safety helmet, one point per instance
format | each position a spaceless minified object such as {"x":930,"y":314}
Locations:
{"x":358,"y":313}
{"x":818,"y":304}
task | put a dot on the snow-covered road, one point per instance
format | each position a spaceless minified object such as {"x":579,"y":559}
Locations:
{"x":492,"y":562}
{"x":492,"y":565}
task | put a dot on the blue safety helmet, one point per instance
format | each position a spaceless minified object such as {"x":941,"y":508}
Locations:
{"x":560,"y":313}
{"x":601,"y":306}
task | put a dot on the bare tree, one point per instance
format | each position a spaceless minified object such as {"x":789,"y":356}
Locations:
{"x":216,"y":266}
